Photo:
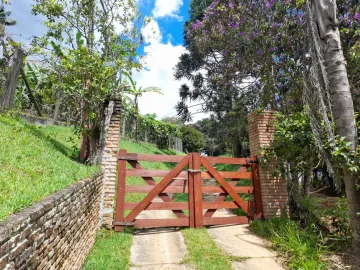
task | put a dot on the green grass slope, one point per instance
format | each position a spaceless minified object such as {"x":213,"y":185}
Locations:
{"x":35,"y":161}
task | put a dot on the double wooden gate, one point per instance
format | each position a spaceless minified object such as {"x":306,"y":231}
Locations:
{"x":187,"y":176}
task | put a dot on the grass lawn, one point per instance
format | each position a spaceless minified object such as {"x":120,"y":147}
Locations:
{"x":35,"y":162}
{"x":110,"y":252}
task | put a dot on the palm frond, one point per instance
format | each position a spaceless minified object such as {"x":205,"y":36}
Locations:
{"x":152,"y":89}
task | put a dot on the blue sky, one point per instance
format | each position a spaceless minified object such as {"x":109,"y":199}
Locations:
{"x":163,"y":47}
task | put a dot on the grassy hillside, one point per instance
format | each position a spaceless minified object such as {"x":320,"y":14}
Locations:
{"x":35,"y":161}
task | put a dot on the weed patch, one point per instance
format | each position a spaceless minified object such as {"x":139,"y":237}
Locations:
{"x":304,"y":248}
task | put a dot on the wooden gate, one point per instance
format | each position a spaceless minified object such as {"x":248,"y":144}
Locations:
{"x":187,"y":177}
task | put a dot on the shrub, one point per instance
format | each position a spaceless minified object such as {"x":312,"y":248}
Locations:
{"x":193,"y":140}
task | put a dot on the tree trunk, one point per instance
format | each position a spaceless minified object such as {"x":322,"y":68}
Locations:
{"x":59,"y":97}
{"x":8,"y":95}
{"x":306,"y":182}
{"x":342,"y":104}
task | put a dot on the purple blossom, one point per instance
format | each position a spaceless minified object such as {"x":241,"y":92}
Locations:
{"x":270,"y":3}
{"x":357,"y":17}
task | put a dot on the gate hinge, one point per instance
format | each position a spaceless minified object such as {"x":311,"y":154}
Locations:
{"x":123,"y":223}
{"x":194,"y":171}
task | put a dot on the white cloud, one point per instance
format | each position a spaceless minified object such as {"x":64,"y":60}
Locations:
{"x":151,"y":32}
{"x":160,"y":62}
{"x":167,"y":8}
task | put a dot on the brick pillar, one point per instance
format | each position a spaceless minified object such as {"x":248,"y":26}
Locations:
{"x":273,"y":189}
{"x":109,"y":163}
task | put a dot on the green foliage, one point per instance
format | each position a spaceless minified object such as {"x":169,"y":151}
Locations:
{"x":35,"y":162}
{"x":340,"y":235}
{"x":303,"y":247}
{"x":293,"y":143}
{"x":193,"y":140}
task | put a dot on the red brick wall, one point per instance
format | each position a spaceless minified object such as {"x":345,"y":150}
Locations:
{"x":109,"y":167}
{"x":273,"y":189}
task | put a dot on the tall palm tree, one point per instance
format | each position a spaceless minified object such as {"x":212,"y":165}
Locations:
{"x":137,"y":92}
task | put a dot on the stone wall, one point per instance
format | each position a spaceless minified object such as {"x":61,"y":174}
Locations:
{"x":55,"y":233}
{"x":274,"y":193}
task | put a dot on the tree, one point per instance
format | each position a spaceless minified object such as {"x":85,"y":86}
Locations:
{"x":137,"y":92}
{"x":331,"y":76}
{"x":92,"y":42}
{"x":192,"y":139}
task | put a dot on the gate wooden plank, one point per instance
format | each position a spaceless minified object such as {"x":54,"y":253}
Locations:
{"x":256,"y":183}
{"x":163,"y":196}
{"x":184,"y":174}
{"x":150,"y":157}
{"x":222,"y":196}
{"x":185,"y":189}
{"x":197,"y":190}
{"x":159,"y":206}
{"x":120,"y":194}
{"x":145,"y":223}
{"x":225,"y":220}
{"x":229,"y":160}
{"x":191,"y":193}
{"x":157,"y":190}
{"x":182,"y":205}
{"x":229,"y":189}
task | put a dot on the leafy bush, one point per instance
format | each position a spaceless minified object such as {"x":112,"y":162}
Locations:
{"x":193,"y":140}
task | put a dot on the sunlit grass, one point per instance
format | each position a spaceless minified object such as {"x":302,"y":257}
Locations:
{"x":35,"y":161}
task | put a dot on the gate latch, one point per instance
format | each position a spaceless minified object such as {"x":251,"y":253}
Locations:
{"x":194,"y":171}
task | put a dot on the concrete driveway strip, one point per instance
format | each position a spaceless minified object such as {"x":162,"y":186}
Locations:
{"x":237,"y":240}
{"x":158,"y":249}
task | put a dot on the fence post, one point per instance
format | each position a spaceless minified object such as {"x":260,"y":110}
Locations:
{"x":257,"y":189}
{"x":191,"y":192}
{"x":197,"y":191}
{"x":274,"y":194}
{"x":120,"y":194}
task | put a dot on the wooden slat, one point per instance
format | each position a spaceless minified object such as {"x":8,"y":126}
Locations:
{"x":191,"y":194}
{"x":158,"y":189}
{"x":229,"y":189}
{"x":120,"y":193}
{"x":184,"y":174}
{"x":163,"y":196}
{"x":149,"y":157}
{"x":197,"y":191}
{"x":176,"y":182}
{"x":184,"y":189}
{"x":230,"y":160}
{"x":146,"y":223}
{"x":225,"y":220}
{"x":181,"y":205}
{"x":159,"y":206}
